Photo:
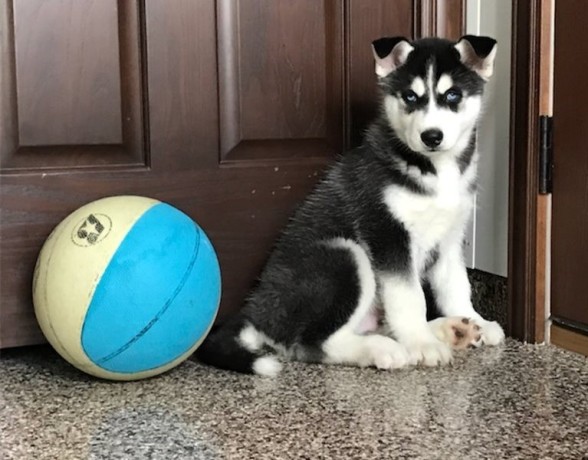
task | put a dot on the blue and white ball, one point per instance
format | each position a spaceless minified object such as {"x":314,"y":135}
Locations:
{"x":126,"y":287}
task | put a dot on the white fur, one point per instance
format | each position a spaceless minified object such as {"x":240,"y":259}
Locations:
{"x":441,"y":221}
{"x":431,"y":219}
{"x":444,"y":83}
{"x":450,"y":280}
{"x":418,"y":86}
{"x":492,"y":332}
{"x":381,"y":70}
{"x":404,"y":303}
{"x":267,"y":366}
{"x":455,"y":126}
{"x":367,"y":281}
{"x":441,"y":328}
{"x":251,"y":339}
{"x":488,"y":68}
{"x":347,"y":345}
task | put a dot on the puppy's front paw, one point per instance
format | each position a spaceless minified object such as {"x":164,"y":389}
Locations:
{"x":386,"y":353}
{"x":458,"y":332}
{"x":429,"y":352}
{"x":492,"y":332}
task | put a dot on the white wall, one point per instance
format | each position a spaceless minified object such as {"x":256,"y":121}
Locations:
{"x":486,"y":242}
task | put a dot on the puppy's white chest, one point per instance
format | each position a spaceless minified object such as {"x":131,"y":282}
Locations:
{"x":431,"y":218}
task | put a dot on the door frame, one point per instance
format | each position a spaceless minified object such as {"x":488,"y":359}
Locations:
{"x":528,"y":222}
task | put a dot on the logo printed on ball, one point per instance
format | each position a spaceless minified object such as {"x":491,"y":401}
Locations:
{"x":91,"y":230}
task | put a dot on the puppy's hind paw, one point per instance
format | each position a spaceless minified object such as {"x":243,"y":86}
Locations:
{"x":458,"y":332}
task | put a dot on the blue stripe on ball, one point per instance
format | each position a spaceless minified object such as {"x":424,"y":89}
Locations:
{"x":157,"y":297}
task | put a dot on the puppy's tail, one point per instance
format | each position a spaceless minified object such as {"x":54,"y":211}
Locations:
{"x":234,"y":346}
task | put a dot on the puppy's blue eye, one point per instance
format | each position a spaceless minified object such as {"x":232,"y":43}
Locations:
{"x":410,"y":97}
{"x":453,"y":96}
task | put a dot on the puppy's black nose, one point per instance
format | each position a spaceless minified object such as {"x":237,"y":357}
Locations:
{"x":432,"y":137}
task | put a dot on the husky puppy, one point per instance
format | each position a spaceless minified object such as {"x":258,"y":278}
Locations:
{"x":388,"y":219}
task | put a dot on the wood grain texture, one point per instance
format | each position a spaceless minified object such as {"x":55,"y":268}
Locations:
{"x":282,"y":72}
{"x":569,"y":260}
{"x":543,"y":201}
{"x":182,"y":82}
{"x":569,"y":340}
{"x":545,"y":59}
{"x":440,"y":18}
{"x":277,"y":82}
{"x":68,"y":76}
{"x":450,"y":18}
{"x":524,"y":171}
{"x":541,"y":267}
{"x":71,"y":92}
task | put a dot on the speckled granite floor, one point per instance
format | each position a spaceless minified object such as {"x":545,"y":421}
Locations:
{"x":512,"y":402}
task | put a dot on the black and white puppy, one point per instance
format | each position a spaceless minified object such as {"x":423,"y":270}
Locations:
{"x":388,"y":219}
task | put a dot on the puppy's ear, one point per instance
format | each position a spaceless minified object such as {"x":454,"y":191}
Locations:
{"x":390,"y":53}
{"x":477,"y":53}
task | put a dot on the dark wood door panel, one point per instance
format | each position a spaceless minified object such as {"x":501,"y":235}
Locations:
{"x":71,"y":86}
{"x":569,"y":288}
{"x":279,"y":81}
{"x":182,"y":82}
{"x":61,"y":107}
{"x":443,"y":18}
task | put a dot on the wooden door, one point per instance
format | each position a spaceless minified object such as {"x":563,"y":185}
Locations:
{"x":569,"y":268}
{"x":228,"y":109}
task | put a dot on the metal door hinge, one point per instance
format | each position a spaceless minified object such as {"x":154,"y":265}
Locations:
{"x":545,"y":155}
